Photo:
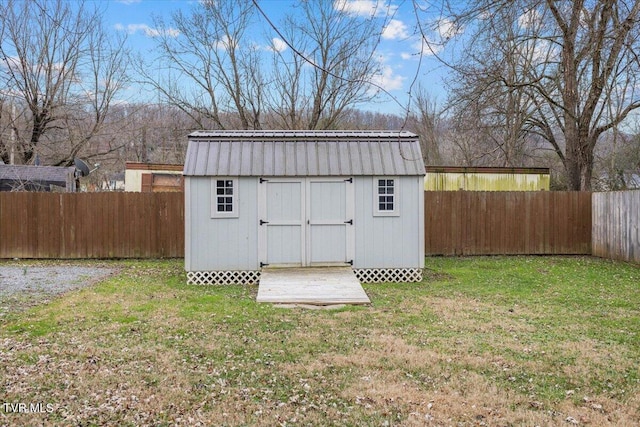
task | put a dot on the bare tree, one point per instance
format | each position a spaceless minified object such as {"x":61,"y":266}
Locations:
{"x":213,"y":68}
{"x":8,"y":128}
{"x":59,"y":63}
{"x":581,"y":54}
{"x":617,"y":162}
{"x":287,"y":100}
{"x":332,"y":66}
{"x":426,"y":121}
{"x":207,"y":66}
{"x":485,"y":95}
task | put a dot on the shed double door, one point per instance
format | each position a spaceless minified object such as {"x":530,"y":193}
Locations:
{"x":305,"y":221}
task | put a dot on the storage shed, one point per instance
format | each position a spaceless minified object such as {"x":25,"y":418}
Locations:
{"x":303,"y":198}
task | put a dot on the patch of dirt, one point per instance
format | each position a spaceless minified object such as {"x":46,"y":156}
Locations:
{"x":429,"y":275}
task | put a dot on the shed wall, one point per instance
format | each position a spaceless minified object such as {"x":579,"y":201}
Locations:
{"x":380,"y":241}
{"x":389,"y":241}
{"x":237,"y":238}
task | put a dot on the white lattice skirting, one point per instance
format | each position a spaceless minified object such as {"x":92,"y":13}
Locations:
{"x":222,"y":277}
{"x":380,"y":275}
{"x":250,"y":277}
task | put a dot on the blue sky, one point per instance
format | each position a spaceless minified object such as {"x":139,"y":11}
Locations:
{"x":398,"y":53}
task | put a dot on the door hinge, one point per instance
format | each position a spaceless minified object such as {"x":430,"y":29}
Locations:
{"x":349,"y":222}
{"x":349,"y":180}
{"x":263,"y":222}
{"x":263,"y":264}
{"x":263,"y":180}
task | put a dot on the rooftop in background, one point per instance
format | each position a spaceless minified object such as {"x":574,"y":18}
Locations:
{"x":486,"y":169}
{"x":303,"y":153}
{"x":153,"y":166}
{"x":455,"y":178}
{"x":36,"y":178}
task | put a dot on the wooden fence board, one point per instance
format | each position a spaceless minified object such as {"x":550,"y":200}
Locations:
{"x":507,"y":223}
{"x":616,"y":225}
{"x":127,"y":225}
{"x":91,"y":225}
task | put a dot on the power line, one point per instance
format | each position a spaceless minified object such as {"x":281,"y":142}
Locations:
{"x":324,"y":70}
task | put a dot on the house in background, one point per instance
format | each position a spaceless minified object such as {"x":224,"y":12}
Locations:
{"x":303,"y":198}
{"x":153,"y":177}
{"x":37,"y":178}
{"x":113,"y":182}
{"x":454,"y":178}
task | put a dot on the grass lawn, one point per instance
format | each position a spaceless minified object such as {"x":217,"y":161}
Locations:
{"x":491,"y":341}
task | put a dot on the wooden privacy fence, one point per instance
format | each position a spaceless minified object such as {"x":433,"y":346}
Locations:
{"x":91,"y":225}
{"x":616,"y":225}
{"x":147,"y":225}
{"x":507,"y":223}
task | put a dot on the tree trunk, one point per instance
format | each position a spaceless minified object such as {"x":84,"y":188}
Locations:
{"x":579,"y":158}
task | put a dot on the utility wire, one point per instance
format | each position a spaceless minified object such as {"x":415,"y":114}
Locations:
{"x":405,"y":108}
{"x":324,"y":70}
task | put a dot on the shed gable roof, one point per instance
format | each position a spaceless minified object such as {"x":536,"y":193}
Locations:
{"x":303,"y":153}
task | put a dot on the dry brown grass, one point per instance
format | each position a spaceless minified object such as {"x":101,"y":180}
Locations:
{"x":144,"y":349}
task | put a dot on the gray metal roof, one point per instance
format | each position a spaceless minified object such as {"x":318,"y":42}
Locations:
{"x":44,"y":175}
{"x":303,"y":153}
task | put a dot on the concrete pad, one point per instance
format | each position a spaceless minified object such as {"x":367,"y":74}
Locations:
{"x":311,"y":285}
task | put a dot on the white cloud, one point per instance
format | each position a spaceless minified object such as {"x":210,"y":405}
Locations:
{"x":146,"y":30}
{"x":433,"y":42}
{"x":278,"y":45}
{"x":447,"y":29}
{"x":538,"y":52}
{"x":15,"y":63}
{"x":11,"y":62}
{"x":421,"y":47}
{"x":426,"y":47}
{"x":396,"y":29}
{"x":387,"y":80}
{"x":529,"y":19}
{"x":366,"y":8}
{"x":226,"y":43}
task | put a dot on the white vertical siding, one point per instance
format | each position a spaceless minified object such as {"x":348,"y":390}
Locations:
{"x":389,"y":241}
{"x":421,"y":226}
{"x":188,"y":235}
{"x":232,"y":243}
{"x":220,"y":243}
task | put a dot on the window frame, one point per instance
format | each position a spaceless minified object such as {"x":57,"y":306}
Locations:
{"x":215,"y":213}
{"x":376,"y":196}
